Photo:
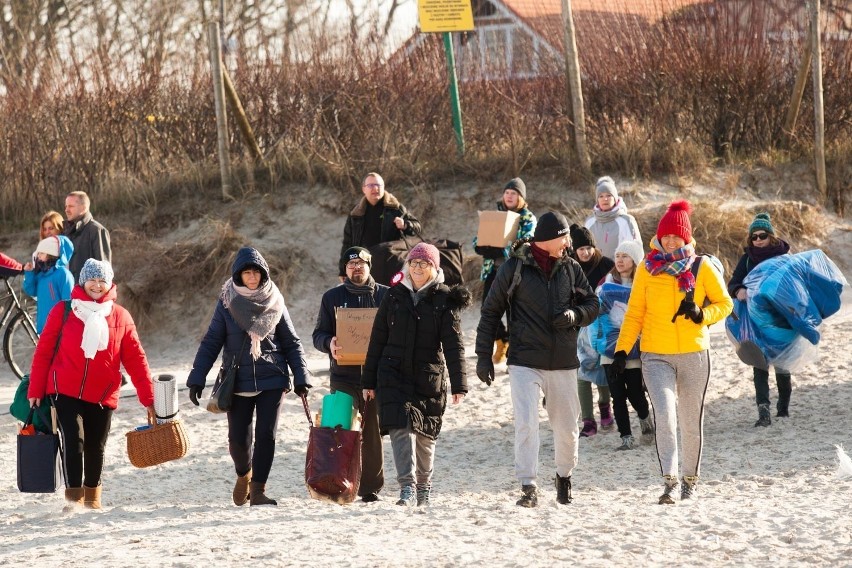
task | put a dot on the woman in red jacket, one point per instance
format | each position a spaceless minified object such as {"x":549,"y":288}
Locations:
{"x":77,"y":362}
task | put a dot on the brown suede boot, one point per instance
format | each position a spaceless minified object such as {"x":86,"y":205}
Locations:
{"x":74,"y":498}
{"x":92,"y":497}
{"x":241,"y":489}
{"x":257,"y":495}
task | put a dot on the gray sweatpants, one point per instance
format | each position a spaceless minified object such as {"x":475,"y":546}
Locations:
{"x":413,"y":456}
{"x":563,"y":410}
{"x":677,"y":385}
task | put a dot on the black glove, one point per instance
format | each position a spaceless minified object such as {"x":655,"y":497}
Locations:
{"x":489,"y":252}
{"x":195,"y":393}
{"x":301,"y":390}
{"x":619,"y":362}
{"x":690,"y":311}
{"x":567,"y":318}
{"x":485,"y":370}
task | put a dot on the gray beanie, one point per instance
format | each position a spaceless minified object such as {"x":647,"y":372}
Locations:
{"x":518,"y":185}
{"x":606,"y":185}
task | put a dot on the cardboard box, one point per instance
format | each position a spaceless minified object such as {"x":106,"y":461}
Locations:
{"x":354,"y":326}
{"x":497,"y":228}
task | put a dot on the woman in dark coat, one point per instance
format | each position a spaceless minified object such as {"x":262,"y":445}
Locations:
{"x":416,"y":337}
{"x":762,"y":244}
{"x":253,"y":326}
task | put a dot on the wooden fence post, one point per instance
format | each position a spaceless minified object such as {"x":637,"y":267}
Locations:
{"x":819,"y":111}
{"x":798,"y":93}
{"x":221,"y":111}
{"x":572,"y":69}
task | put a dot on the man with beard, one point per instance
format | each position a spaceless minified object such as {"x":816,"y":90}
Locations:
{"x":358,"y":290}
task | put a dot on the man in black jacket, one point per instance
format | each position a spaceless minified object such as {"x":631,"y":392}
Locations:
{"x":90,"y":238}
{"x":546,"y":308}
{"x":358,"y":290}
{"x":378,"y":217}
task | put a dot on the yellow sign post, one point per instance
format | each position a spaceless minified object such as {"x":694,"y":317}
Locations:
{"x":446,"y":16}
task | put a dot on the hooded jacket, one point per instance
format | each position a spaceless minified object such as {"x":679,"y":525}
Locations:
{"x":353,"y":231}
{"x":412,"y":347}
{"x":96,"y":380}
{"x":536,"y":337}
{"x":51,"y":286}
{"x":279,"y":350}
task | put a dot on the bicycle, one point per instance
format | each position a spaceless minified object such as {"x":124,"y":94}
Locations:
{"x":17,"y":314}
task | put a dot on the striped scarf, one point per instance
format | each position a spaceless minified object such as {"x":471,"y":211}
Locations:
{"x":677,"y":263}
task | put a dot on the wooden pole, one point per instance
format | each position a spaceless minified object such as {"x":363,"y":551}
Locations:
{"x":798,"y":93}
{"x":819,"y":111}
{"x":240,"y":115}
{"x":572,"y":68}
{"x":221,"y":111}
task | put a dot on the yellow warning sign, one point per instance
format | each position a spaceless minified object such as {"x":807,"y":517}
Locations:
{"x":445,"y":15}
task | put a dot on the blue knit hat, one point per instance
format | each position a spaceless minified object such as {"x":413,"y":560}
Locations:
{"x":761,"y":221}
{"x":96,"y":269}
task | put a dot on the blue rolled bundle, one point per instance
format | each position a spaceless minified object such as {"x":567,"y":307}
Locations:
{"x":799,"y":290}
{"x":605,"y":329}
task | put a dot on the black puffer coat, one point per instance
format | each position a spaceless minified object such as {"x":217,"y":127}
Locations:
{"x":537,"y":338}
{"x":411,"y":349}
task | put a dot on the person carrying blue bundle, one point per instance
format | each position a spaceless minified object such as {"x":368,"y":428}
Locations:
{"x":762,"y":244}
{"x":47,"y":278}
{"x":614,"y":294}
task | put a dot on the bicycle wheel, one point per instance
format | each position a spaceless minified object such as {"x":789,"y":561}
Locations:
{"x":19,"y":344}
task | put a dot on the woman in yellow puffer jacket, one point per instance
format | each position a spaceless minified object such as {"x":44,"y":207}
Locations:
{"x":671,"y":306}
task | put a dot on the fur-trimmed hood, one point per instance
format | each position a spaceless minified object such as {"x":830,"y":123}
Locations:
{"x":388,"y":200}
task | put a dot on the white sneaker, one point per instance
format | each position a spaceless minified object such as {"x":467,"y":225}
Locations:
{"x":627,"y":443}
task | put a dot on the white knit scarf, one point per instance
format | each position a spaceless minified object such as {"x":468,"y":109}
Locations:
{"x":95,"y":328}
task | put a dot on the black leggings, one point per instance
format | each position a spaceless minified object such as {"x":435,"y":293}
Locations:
{"x":268,"y":405}
{"x":84,"y":427}
{"x":626,"y":387}
{"x":502,"y":331}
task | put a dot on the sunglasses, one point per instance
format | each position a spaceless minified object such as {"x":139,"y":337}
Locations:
{"x":759,"y":237}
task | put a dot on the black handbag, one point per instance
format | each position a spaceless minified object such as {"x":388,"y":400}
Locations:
{"x":223,"y":390}
{"x":39,"y":458}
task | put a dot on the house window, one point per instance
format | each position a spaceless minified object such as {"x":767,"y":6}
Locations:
{"x":482,"y":9}
{"x":523,"y":54}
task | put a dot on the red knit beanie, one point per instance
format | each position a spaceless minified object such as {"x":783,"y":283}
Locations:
{"x":425,"y":251}
{"x":676,"y":221}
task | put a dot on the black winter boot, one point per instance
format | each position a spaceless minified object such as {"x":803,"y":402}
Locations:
{"x":563,"y":489}
{"x":529,"y":496}
{"x":763,"y":418}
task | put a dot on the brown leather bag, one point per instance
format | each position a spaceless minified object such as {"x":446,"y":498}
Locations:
{"x":332,"y":462}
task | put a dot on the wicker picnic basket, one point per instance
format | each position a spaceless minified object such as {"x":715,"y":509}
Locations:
{"x":158,"y":444}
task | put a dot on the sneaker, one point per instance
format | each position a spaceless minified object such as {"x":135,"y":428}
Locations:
{"x":687,"y":488}
{"x":590,"y":428}
{"x":670,"y":488}
{"x":529,"y":497}
{"x":370,"y":497}
{"x":423,"y":491}
{"x":648,"y":430}
{"x":407,"y":496}
{"x":627,"y":443}
{"x":607,"y":421}
{"x":563,"y":490}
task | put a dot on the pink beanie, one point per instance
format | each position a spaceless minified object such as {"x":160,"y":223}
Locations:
{"x":425,"y":251}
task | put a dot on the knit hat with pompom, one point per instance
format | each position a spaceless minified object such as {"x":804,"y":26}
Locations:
{"x":761,"y":221}
{"x":676,"y":221}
